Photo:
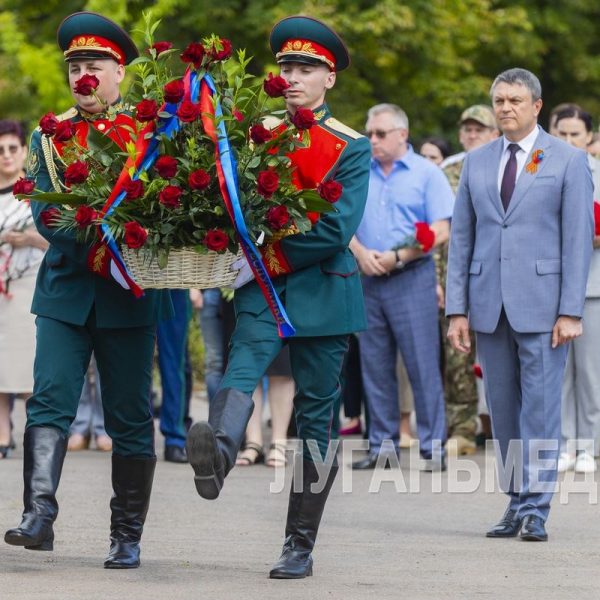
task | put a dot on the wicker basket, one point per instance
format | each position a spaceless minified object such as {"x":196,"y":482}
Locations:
{"x":185,"y":269}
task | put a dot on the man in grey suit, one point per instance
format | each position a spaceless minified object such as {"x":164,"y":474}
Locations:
{"x":520,"y":247}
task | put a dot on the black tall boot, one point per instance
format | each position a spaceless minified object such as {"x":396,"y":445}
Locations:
{"x":212,"y":447}
{"x":44,"y":450}
{"x":304,"y":515}
{"x":132,"y":484}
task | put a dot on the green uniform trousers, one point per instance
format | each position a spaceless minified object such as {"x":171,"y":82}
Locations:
{"x":316,"y":363}
{"x":124,"y":358}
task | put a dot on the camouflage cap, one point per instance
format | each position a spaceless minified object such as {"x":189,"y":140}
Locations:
{"x":481,"y":113}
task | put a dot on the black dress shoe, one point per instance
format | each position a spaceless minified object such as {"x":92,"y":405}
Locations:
{"x":175,"y":454}
{"x":507,"y":527}
{"x":370,"y":462}
{"x":533,"y":529}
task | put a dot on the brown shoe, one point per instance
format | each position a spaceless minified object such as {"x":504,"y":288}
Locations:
{"x":458,"y":445}
{"x":103,"y":443}
{"x":78,"y":442}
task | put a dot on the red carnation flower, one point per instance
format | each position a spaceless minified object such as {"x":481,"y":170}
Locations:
{"x":216,"y":239}
{"x":237,"y":115}
{"x":170,"y":196}
{"x":135,"y":234}
{"x":477,"y":371}
{"x":260,"y":134}
{"x":76,"y":172}
{"x":134,"y":189}
{"x":278,"y":217}
{"x":275,"y":85}
{"x":85,"y":215}
{"x":65,"y":130}
{"x":597,"y":218}
{"x":23,"y":186}
{"x":146,"y":110}
{"x":199,"y":179}
{"x":268,"y":182}
{"x":86,"y":85}
{"x":49,"y":217}
{"x":194,"y":53}
{"x":224,"y":53}
{"x":166,"y":166}
{"x":188,"y":111}
{"x":425,"y":236}
{"x":161,"y":47}
{"x":48,"y":123}
{"x":303,"y":118}
{"x":174,"y":91}
{"x":330,"y":190}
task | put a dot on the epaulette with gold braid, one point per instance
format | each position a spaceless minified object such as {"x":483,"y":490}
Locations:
{"x":341,"y":128}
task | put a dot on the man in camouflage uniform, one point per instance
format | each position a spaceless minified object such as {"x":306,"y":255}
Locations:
{"x":477,"y":126}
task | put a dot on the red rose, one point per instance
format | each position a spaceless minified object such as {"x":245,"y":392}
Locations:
{"x":166,"y":166}
{"x":135,"y":234}
{"x":260,"y":134}
{"x":146,"y":110}
{"x":188,"y":111}
{"x":596,"y":218}
{"x":330,"y":190}
{"x":65,"y":130}
{"x":49,"y":216}
{"x":268,"y":182}
{"x":194,"y":53}
{"x":216,"y":239}
{"x":237,"y":115}
{"x":86,"y":85}
{"x":134,"y":189}
{"x":85,"y":215}
{"x":278,"y":217}
{"x":170,"y":196}
{"x":76,"y":172}
{"x":223,"y":54}
{"x":477,"y":371}
{"x":425,"y":236}
{"x":161,"y":47}
{"x":23,"y":186}
{"x":48,"y":123}
{"x":303,"y":118}
{"x":274,"y":86}
{"x":174,"y":91}
{"x":199,"y":179}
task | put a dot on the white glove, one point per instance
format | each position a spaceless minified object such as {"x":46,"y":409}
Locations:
{"x":244,"y":275}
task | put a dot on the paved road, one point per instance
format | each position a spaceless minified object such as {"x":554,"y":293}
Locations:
{"x":388,"y":544}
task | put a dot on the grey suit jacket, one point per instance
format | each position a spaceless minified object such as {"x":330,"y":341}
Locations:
{"x":532,"y":259}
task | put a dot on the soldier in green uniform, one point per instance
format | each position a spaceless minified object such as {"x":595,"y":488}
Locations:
{"x":477,"y":126}
{"x":317,"y":278}
{"x":79,"y":312}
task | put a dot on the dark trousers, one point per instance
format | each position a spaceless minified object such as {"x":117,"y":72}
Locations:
{"x":316,"y":363}
{"x":124,"y":359}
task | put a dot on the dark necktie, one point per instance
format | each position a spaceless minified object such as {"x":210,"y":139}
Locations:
{"x":509,"y":178}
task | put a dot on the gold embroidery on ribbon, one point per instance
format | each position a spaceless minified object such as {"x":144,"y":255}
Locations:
{"x":99,"y":259}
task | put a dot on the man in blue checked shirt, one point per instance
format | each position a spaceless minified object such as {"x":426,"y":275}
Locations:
{"x":400,"y":288}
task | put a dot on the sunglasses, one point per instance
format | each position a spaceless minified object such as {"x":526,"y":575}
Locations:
{"x":380,"y":134}
{"x":12,"y":149}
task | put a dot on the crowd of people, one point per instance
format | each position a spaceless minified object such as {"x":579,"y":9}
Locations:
{"x":413,"y":268}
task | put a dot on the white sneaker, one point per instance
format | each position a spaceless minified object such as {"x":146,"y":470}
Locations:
{"x":566,"y":462}
{"x":585,"y":463}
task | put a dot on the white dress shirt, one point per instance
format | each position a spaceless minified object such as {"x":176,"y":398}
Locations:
{"x":525,"y":145}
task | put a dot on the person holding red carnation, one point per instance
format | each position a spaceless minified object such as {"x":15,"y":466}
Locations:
{"x":316,"y":276}
{"x":80,"y":309}
{"x":408,"y":211}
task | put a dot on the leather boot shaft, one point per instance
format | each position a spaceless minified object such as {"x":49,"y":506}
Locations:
{"x":132,"y":485}
{"x":44,"y":450}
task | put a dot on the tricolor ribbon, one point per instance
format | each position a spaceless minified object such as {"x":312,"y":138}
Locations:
{"x":146,"y":153}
